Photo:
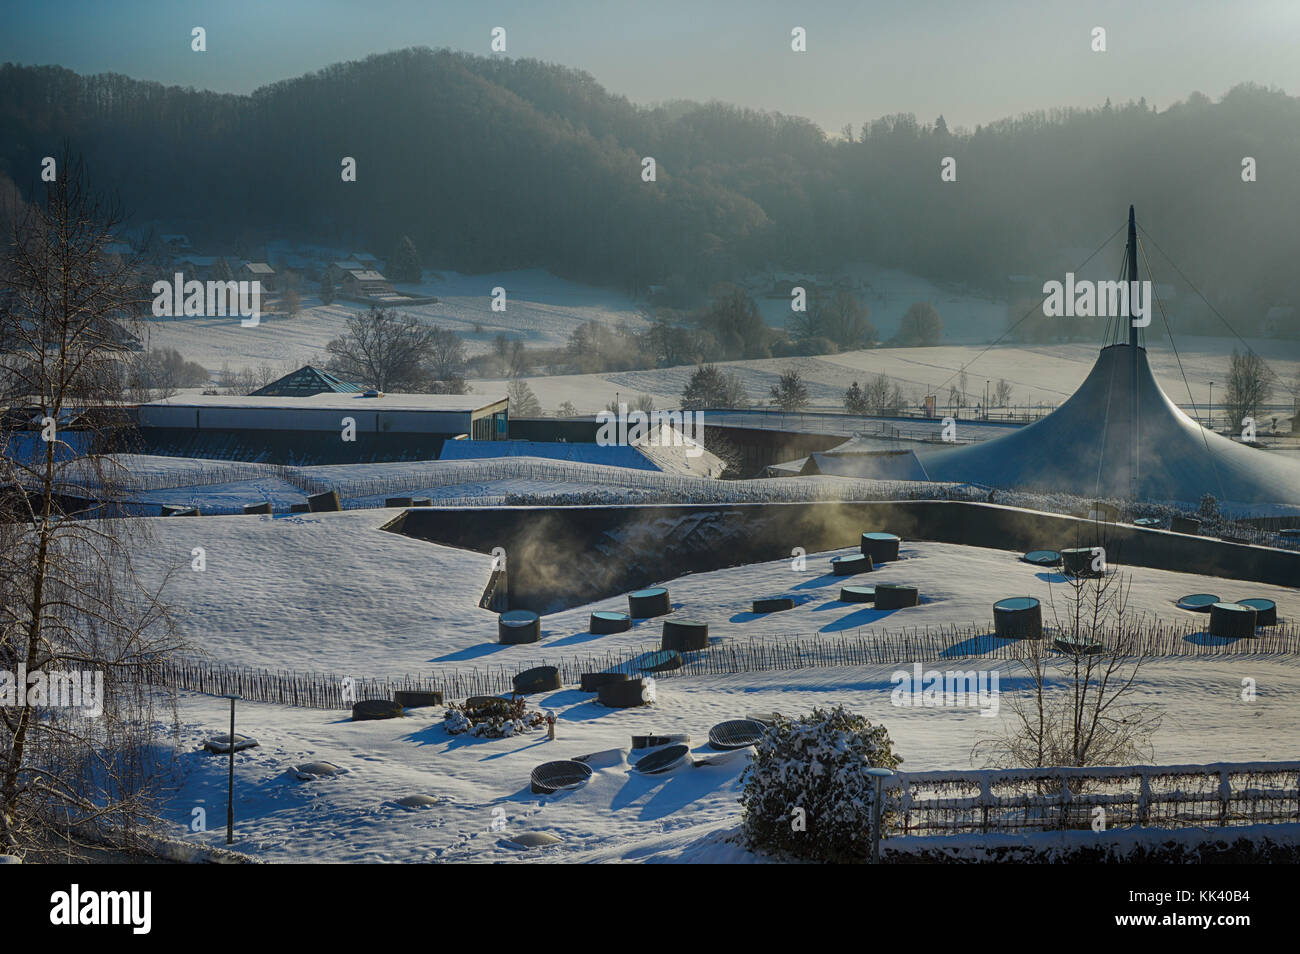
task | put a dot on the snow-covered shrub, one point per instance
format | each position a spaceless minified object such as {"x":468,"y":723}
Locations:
{"x":493,"y":718}
{"x":807,"y":794}
{"x":501,"y":728}
{"x":456,"y":722}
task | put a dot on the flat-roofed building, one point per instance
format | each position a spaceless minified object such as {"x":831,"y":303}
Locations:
{"x":314,"y":428}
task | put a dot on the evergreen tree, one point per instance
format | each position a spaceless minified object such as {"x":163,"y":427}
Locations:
{"x":405,"y":266}
{"x":711,"y":387}
{"x":855,"y":400}
{"x":790,"y":393}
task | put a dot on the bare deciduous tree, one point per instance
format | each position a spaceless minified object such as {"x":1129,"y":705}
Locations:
{"x":1250,"y":384}
{"x":1002,"y":393}
{"x":160,"y":373}
{"x":523,"y":402}
{"x":71,"y":604}
{"x":882,"y":395}
{"x":1079,"y":707}
{"x":642,"y":402}
{"x":447,"y":361}
{"x":384,"y":349}
{"x":248,"y":379}
{"x":1294,"y":389}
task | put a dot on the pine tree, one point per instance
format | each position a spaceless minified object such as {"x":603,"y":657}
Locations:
{"x":406,"y":262}
{"x":790,"y":393}
{"x":711,"y":387}
{"x":855,"y":400}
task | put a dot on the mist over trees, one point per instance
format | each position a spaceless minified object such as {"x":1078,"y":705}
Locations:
{"x":920,"y":326}
{"x":833,"y":322}
{"x":491,"y":164}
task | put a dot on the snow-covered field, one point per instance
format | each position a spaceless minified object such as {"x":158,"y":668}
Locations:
{"x":540,"y":309}
{"x":1038,"y":374}
{"x":334,"y":592}
{"x":482,"y":784}
{"x":544,"y":310}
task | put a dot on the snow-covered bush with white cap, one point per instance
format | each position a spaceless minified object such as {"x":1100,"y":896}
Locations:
{"x":807,"y":793}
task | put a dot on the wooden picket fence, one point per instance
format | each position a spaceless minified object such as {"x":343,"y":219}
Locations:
{"x":985,"y":801}
{"x":1146,"y":637}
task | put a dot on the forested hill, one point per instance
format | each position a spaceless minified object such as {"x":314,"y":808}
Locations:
{"x":492,"y":163}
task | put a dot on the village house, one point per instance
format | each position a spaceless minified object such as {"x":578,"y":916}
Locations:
{"x":366,"y":286}
{"x":340,"y":270}
{"x":258,"y":271}
{"x":198,"y":267}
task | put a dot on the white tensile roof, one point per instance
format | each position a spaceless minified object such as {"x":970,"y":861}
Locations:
{"x":1084,"y":447}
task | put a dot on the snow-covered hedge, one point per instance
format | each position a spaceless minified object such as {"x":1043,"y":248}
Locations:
{"x":807,"y":793}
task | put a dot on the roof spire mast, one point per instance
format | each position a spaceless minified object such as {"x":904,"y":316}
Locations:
{"x":1133,"y":353}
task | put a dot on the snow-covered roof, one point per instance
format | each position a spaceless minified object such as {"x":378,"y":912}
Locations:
{"x":330,"y":400}
{"x":878,"y":465}
{"x":613,"y":455}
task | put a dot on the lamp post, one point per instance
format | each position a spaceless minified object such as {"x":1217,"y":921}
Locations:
{"x":230,"y":778}
{"x":879,"y":774}
{"x":1211,"y":405}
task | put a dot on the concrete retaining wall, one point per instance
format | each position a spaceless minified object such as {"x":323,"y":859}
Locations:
{"x":565,"y":556}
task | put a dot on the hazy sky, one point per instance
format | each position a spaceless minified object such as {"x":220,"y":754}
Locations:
{"x":971,"y":60}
